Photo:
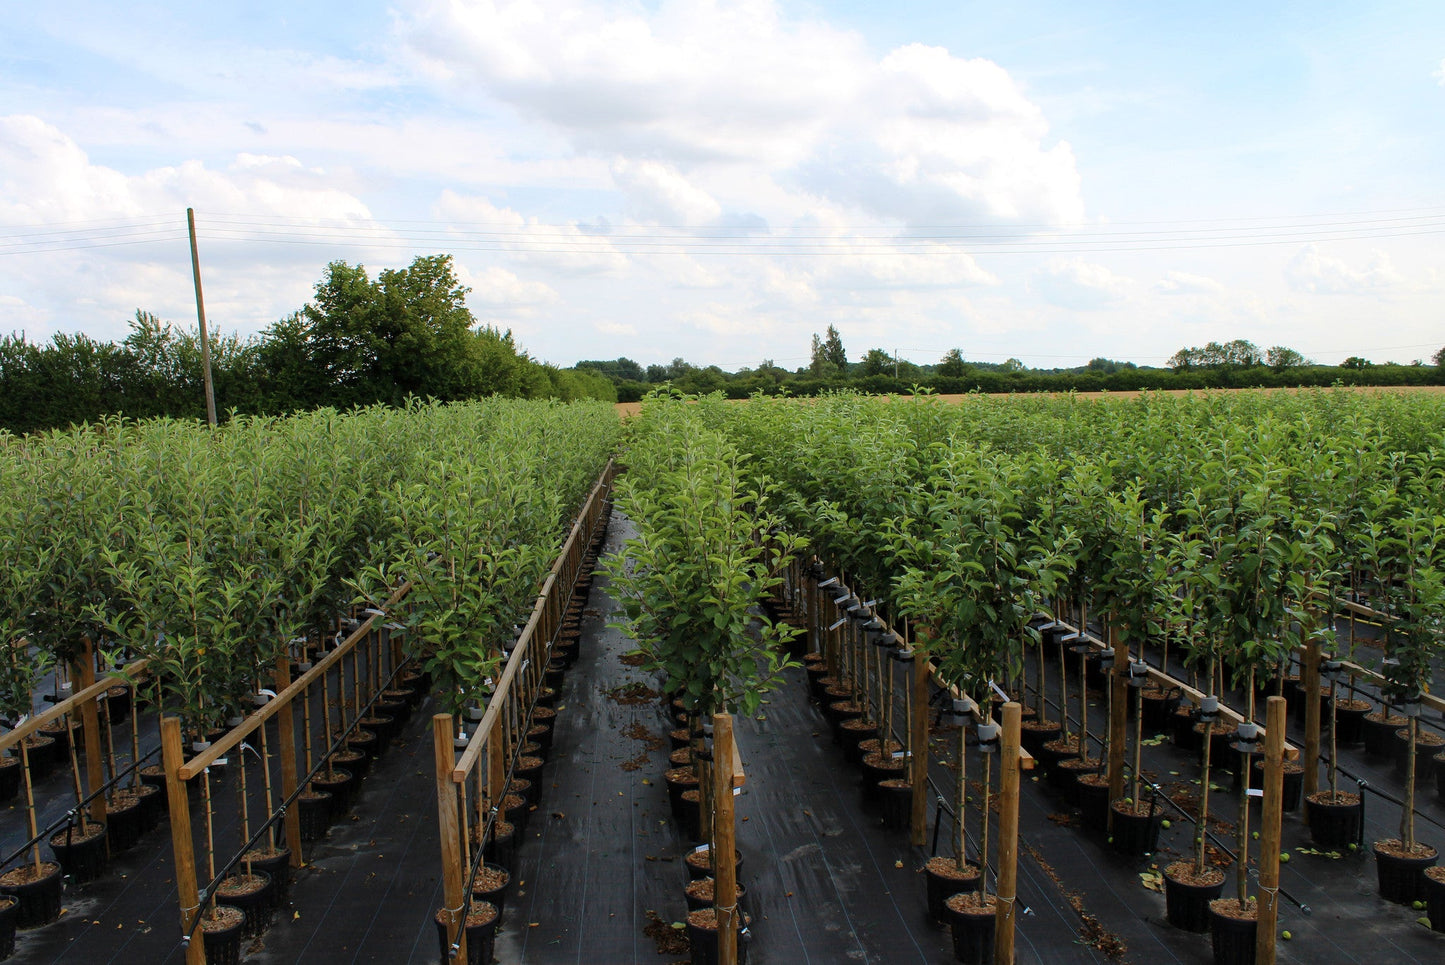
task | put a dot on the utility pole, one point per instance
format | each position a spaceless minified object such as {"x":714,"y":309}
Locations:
{"x":201,"y":314}
{"x":895,"y":363}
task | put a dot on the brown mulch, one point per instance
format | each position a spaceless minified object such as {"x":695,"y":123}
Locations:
{"x":1184,"y":873}
{"x":1395,"y":848}
{"x":636,"y":692}
{"x":633,"y":659}
{"x":490,"y":877}
{"x":1234,"y":908}
{"x":1091,"y":932}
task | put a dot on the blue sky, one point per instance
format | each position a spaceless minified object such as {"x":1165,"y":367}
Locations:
{"x":1049,"y":181}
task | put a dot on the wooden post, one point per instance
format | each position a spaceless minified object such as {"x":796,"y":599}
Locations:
{"x":201,"y":317}
{"x":1008,"y":836}
{"x":83,"y":670}
{"x":918,"y":821}
{"x":182,"y":845}
{"x":286,"y":737}
{"x":449,"y":829}
{"x":1269,"y":831}
{"x":1119,"y":718}
{"x":1310,"y":683}
{"x":725,"y":875}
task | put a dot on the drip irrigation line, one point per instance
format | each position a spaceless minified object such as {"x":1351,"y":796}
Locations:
{"x":68,"y":818}
{"x":1365,"y":785}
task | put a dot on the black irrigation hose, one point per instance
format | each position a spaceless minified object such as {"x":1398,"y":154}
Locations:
{"x":68,"y":818}
{"x":1365,"y":785}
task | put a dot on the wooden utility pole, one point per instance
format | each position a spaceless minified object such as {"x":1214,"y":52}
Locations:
{"x":1310,"y":684}
{"x":201,"y":316}
{"x":449,"y":828}
{"x":725,"y":881}
{"x":1008,"y":836}
{"x":918,"y":820}
{"x":1269,"y":832}
{"x":182,"y":844}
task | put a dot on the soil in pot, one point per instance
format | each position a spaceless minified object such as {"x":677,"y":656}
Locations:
{"x":897,"y":796}
{"x":699,"y":893}
{"x":9,"y":913}
{"x":1435,"y":897}
{"x":699,"y":862}
{"x":1334,"y":818}
{"x":357,"y":763}
{"x":516,"y":810}
{"x":1350,"y":720}
{"x":946,"y":879}
{"x":1402,"y":870}
{"x":839,"y":711}
{"x":682,"y":757}
{"x":492,"y":884}
{"x":383,"y":727}
{"x":1056,"y":750}
{"x":1136,"y":827}
{"x":1232,"y":926}
{"x":221,"y":932}
{"x":972,"y":924}
{"x":80,"y":853}
{"x":1379,"y":732}
{"x":9,"y":777}
{"x":678,"y":739}
{"x":124,"y":820}
{"x":364,"y":741}
{"x":530,"y":768}
{"x":702,"y":937}
{"x":252,"y":894}
{"x":39,"y":894}
{"x":678,"y":779}
{"x":1187,"y":895}
{"x":1092,"y":795}
{"x":481,"y":926}
{"x":877,"y":768}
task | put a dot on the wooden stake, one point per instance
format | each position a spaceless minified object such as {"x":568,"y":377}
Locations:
{"x":1008,"y":836}
{"x":182,"y":845}
{"x":1269,"y":832}
{"x":1310,"y":684}
{"x":30,"y":806}
{"x":449,"y":830}
{"x":1119,"y":714}
{"x":286,"y":733}
{"x":723,"y":865}
{"x":84,"y":674}
{"x":918,"y":822}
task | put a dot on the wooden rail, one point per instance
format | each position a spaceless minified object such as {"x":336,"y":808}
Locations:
{"x":126,"y":677}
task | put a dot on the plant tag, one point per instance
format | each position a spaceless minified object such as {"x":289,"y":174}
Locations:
{"x":701,"y":847}
{"x":901,"y":754}
{"x":1071,"y":635}
{"x":998,"y":690}
{"x":839,"y":623}
{"x":1256,"y":792}
{"x":737,"y":791}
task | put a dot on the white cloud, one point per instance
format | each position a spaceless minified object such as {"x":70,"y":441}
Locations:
{"x":1310,"y":271}
{"x":1184,"y":283}
{"x":499,"y":292}
{"x":1439,"y":74}
{"x":1083,"y":286}
{"x":918,"y":136}
{"x":616,"y":328}
{"x":564,"y":248}
{"x":658,"y":193}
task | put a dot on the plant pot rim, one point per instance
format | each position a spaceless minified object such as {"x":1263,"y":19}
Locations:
{"x":1214,"y":875}
{"x":1232,"y":908}
{"x":1341,"y":798}
{"x":942,"y":866}
{"x":1395,"y":848}
{"x":970,"y":905}
{"x":25,"y":874}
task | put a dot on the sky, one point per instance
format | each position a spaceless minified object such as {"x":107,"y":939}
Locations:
{"x":1045,"y":180}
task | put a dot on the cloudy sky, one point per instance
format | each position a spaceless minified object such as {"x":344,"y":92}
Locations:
{"x":1047,"y":179}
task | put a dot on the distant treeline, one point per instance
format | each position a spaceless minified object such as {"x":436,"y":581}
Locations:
{"x":362,"y":341}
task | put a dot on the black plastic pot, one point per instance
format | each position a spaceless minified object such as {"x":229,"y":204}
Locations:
{"x":1380,"y":734}
{"x":278,"y":868}
{"x":40,"y":898}
{"x":690,"y":814}
{"x":315,"y":814}
{"x":1435,"y":898}
{"x":481,"y":934}
{"x":1187,"y":906}
{"x":255,"y":900}
{"x":816,"y":674}
{"x":10,"y":776}
{"x":341,"y":785}
{"x":1093,"y":801}
{"x":1334,"y":825}
{"x":1182,"y":732}
{"x":357,"y":763}
{"x":1136,"y":834}
{"x":9,"y":914}
{"x":1402,"y":879}
{"x":897,"y":797}
{"x":383,"y":727}
{"x":501,"y":846}
{"x":118,"y":703}
{"x":1158,"y":706}
{"x":851,"y":733}
{"x":941,"y":887}
{"x":839,"y":711}
{"x":223,"y":940}
{"x":1067,"y":772}
{"x":876,"y":769}
{"x":152,"y":806}
{"x":153,"y":775}
{"x":1424,"y":753}
{"x":1051,"y":753}
{"x":1233,"y":938}
{"x":1350,"y":723}
{"x":125,"y":822}
{"x":973,"y":929}
{"x":82,"y":859}
{"x":1292,"y":783}
{"x":397,"y":710}
{"x":702,"y":940}
{"x":364,"y":741}
{"x":40,"y":752}
{"x":696,"y":904}
{"x":529,"y":768}
{"x":697,"y":870}
{"x":1034,"y":737}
